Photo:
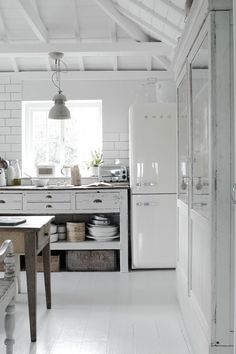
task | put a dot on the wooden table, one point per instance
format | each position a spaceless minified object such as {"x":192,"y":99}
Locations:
{"x":29,"y":239}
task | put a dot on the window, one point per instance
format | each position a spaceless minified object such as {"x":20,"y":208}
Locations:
{"x":68,"y":142}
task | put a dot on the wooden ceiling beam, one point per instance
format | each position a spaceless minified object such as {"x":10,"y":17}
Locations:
{"x":85,"y":49}
{"x":164,"y":62}
{"x":94,"y":75}
{"x":155,"y":15}
{"x":3,"y":29}
{"x":173,"y":7}
{"x":128,"y":26}
{"x":149,"y":63}
{"x":14,"y":65}
{"x":32,"y":17}
{"x":76,"y":19}
{"x":148,"y":27}
{"x":81,"y":63}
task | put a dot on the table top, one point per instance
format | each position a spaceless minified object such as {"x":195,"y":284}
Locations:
{"x":33,"y":223}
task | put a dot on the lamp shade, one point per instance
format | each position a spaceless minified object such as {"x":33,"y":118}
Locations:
{"x":59,"y":110}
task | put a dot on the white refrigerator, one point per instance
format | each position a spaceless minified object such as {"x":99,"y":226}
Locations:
{"x":152,"y":139}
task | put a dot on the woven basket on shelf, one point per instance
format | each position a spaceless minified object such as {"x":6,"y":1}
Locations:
{"x":75,"y":231}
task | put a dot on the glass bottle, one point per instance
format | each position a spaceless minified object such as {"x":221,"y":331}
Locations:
{"x":10,"y":174}
{"x":17,"y":178}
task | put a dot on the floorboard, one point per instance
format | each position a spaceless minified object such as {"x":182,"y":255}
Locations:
{"x":104,"y":313}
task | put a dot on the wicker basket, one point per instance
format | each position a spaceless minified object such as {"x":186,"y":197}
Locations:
{"x":95,"y":260}
{"x":75,"y":231}
{"x":55,"y":263}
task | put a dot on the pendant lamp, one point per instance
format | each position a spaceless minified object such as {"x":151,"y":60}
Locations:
{"x":59,"y":110}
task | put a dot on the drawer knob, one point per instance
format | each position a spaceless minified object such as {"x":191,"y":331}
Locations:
{"x":48,"y":206}
{"x":97,"y":201}
{"x":2,"y":201}
{"x":48,"y":196}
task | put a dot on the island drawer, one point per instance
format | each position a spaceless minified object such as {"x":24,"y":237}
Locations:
{"x":11,"y":201}
{"x":48,"y":206}
{"x":97,"y":200}
{"x":49,"y":197}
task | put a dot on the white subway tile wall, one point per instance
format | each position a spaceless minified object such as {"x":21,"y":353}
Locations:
{"x":115,"y":145}
{"x":10,"y":117}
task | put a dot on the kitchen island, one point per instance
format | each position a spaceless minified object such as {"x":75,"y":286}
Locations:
{"x":74,"y":203}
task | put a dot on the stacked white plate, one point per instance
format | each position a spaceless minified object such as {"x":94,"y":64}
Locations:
{"x":53,"y":233}
{"x":101,"y":229}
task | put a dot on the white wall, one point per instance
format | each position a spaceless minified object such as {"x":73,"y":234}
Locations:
{"x":115,"y":95}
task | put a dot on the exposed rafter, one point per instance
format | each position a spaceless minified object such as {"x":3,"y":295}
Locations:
{"x":128,"y":26}
{"x":164,"y":62}
{"x":149,"y":63}
{"x":113,"y":29}
{"x":154,"y":14}
{"x":30,"y":14}
{"x":3,"y":29}
{"x":96,"y":75}
{"x":14,"y":65}
{"x":76,"y":19}
{"x":152,"y":30}
{"x":86,"y":49}
{"x":173,"y":7}
{"x":81,"y":63}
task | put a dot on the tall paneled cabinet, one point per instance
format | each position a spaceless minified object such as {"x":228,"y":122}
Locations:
{"x":203,"y":69}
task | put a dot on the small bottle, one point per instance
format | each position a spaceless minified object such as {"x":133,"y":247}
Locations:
{"x":17,"y":178}
{"x":10,"y":174}
{"x":75,"y":176}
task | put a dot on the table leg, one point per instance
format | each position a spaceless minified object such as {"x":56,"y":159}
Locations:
{"x":17,"y":266}
{"x":30,"y":265}
{"x":47,"y":273}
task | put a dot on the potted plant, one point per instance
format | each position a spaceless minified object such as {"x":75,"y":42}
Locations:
{"x":95,"y":162}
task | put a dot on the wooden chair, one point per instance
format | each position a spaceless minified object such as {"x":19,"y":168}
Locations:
{"x":7,"y":293}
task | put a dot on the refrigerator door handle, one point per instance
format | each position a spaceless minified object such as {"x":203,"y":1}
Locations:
{"x":150,"y":204}
{"x":149,"y":184}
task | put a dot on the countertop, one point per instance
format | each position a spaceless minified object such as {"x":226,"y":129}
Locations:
{"x":120,"y":185}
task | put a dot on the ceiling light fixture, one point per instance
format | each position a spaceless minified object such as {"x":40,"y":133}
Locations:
{"x":59,"y":110}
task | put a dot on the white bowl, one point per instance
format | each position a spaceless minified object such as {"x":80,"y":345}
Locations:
{"x":39,"y":182}
{"x":100,"y":217}
{"x":61,"y":228}
{"x":100,"y":222}
{"x":53,"y":229}
{"x":54,"y":238}
{"x":62,"y":236}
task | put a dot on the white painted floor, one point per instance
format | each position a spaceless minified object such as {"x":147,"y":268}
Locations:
{"x":104,"y":313}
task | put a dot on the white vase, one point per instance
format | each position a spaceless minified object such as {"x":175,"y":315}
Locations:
{"x":94,"y":171}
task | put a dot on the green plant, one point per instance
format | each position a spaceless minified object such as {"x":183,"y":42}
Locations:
{"x":96,"y":160}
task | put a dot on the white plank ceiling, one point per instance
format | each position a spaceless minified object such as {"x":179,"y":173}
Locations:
{"x":105,"y":36}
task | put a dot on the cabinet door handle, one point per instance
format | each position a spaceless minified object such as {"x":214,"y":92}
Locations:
{"x":48,"y":206}
{"x":48,"y":196}
{"x":2,"y":201}
{"x":97,"y":201}
{"x":234,"y":194}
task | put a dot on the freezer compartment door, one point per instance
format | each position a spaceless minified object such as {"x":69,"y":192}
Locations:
{"x":153,"y":231}
{"x":152,"y":129}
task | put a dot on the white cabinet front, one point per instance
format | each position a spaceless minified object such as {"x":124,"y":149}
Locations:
{"x":97,"y":201}
{"x":10,"y":201}
{"x":153,"y":233}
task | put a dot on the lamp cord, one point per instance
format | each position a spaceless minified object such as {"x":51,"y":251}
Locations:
{"x":56,"y":76}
